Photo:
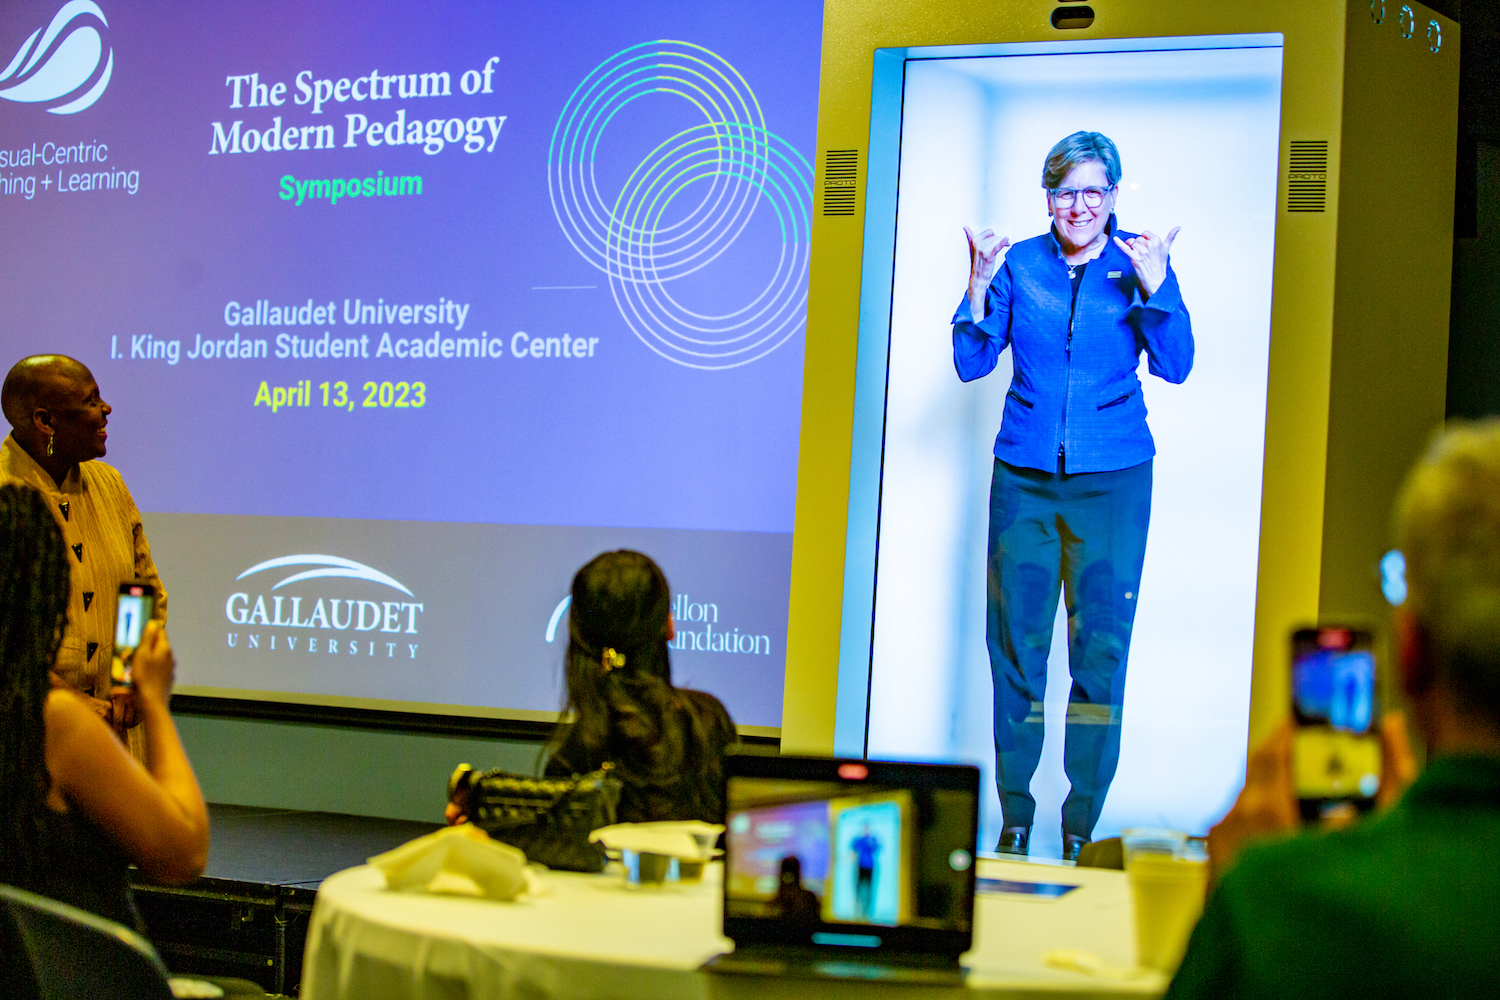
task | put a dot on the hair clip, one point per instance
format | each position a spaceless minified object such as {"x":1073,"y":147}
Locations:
{"x":611,"y":660}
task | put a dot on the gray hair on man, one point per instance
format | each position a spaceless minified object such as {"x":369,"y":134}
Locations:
{"x":1448,"y":529}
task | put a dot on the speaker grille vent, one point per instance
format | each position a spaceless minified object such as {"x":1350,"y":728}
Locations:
{"x":840,"y":171}
{"x":1307,"y":176}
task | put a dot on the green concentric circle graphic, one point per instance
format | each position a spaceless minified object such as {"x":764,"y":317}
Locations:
{"x":685,"y":204}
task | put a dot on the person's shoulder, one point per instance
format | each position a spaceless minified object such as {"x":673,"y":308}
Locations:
{"x":9,"y":451}
{"x":97,"y":470}
{"x":101,"y":477}
{"x":104,"y":480}
{"x":564,"y":756}
{"x":704,"y":703}
{"x":65,"y":707}
{"x":1299,"y":870}
{"x":711,"y":711}
{"x":70,"y":721}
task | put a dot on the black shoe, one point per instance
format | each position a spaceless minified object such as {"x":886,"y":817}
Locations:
{"x":1013,"y":840}
{"x":1073,"y":846}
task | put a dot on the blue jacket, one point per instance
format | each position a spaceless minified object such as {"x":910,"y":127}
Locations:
{"x":1074,"y":395}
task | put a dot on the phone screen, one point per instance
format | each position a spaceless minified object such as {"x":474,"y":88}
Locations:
{"x":1336,"y":705}
{"x":131,"y":615}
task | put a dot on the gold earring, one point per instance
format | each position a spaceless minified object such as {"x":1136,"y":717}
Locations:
{"x":49,"y":444}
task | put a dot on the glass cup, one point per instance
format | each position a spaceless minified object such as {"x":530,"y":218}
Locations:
{"x":1168,"y":877}
{"x":642,"y":869}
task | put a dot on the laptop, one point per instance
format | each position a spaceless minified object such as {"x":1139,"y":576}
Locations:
{"x":848,"y":869}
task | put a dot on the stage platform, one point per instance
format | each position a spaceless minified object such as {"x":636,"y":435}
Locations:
{"x":247,"y":915}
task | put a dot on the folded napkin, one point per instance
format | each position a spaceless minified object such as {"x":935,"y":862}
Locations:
{"x":685,"y":840}
{"x":461,"y":860}
{"x":1090,"y":964}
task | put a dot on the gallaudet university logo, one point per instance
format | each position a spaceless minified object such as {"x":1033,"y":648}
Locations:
{"x":320,"y":624}
{"x":59,"y":63}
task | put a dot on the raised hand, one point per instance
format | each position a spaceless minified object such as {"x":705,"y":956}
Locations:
{"x":154,"y":666}
{"x":1148,"y":255}
{"x":985,"y":253}
{"x":1398,"y":764}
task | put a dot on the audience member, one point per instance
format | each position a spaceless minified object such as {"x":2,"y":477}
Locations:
{"x":666,"y":743}
{"x":58,"y":421}
{"x":1402,"y":903}
{"x":795,"y":903}
{"x":75,"y":807}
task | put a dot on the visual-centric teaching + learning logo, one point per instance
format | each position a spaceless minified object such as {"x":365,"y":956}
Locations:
{"x":62,"y":63}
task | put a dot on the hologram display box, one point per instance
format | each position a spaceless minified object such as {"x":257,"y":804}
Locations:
{"x":1356,"y":345}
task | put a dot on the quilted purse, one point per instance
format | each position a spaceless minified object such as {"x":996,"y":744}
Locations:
{"x":547,"y":818}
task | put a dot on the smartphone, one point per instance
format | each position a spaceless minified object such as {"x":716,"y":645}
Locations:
{"x":136,"y":602}
{"x":1336,"y":760}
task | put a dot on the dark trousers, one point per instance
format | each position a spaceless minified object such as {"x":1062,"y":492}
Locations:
{"x":864,"y":892}
{"x":1085,"y":533}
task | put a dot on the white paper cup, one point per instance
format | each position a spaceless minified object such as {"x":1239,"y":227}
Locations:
{"x":1168,"y":893}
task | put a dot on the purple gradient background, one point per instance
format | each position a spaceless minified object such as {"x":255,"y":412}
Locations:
{"x":624,"y":439}
{"x":757,"y":857}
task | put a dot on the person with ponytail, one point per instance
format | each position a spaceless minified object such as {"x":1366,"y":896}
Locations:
{"x":75,"y":807}
{"x":665,"y":743}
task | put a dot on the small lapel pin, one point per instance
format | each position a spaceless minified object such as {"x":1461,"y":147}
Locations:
{"x":1114,"y":274}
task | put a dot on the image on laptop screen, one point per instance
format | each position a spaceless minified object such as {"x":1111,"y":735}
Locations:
{"x":867,"y":854}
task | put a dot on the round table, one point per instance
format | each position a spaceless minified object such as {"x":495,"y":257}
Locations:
{"x":592,"y":937}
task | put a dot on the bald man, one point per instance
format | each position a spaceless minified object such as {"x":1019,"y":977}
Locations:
{"x":57,"y":420}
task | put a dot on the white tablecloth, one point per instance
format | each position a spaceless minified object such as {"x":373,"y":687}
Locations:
{"x":590,"y":937}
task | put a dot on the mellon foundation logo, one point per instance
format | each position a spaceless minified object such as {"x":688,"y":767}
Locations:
{"x":59,"y":63}
{"x":697,"y":627}
{"x":314,"y":621}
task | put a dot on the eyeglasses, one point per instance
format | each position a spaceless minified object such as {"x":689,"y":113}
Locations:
{"x":1093,"y":197}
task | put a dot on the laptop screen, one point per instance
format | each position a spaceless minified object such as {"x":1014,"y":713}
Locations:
{"x":853,"y":853}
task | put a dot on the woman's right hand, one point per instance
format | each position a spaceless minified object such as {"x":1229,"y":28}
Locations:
{"x":985,"y":252}
{"x":153,"y":665}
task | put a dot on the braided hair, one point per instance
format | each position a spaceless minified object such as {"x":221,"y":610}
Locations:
{"x":665,"y":744}
{"x":34,"y":589}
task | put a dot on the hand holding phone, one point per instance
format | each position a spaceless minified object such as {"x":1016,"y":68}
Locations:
{"x":155,"y":668}
{"x":1336,"y":747}
{"x":1269,"y":805}
{"x":132,"y":611}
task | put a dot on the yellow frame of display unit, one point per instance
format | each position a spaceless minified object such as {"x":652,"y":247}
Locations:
{"x":1359,"y":330}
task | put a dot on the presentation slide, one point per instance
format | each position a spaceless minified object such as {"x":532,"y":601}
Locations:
{"x":406,"y":311}
{"x":1006,"y":592}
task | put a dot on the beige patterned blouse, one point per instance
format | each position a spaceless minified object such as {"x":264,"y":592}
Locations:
{"x":106,"y":547}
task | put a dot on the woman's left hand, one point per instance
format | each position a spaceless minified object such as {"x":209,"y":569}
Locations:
{"x":1148,"y":253}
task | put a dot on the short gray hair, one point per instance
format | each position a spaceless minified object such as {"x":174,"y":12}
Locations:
{"x":1448,"y":528}
{"x":1081,"y":147}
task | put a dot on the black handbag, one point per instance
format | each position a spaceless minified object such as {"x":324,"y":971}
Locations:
{"x":549,"y":819}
